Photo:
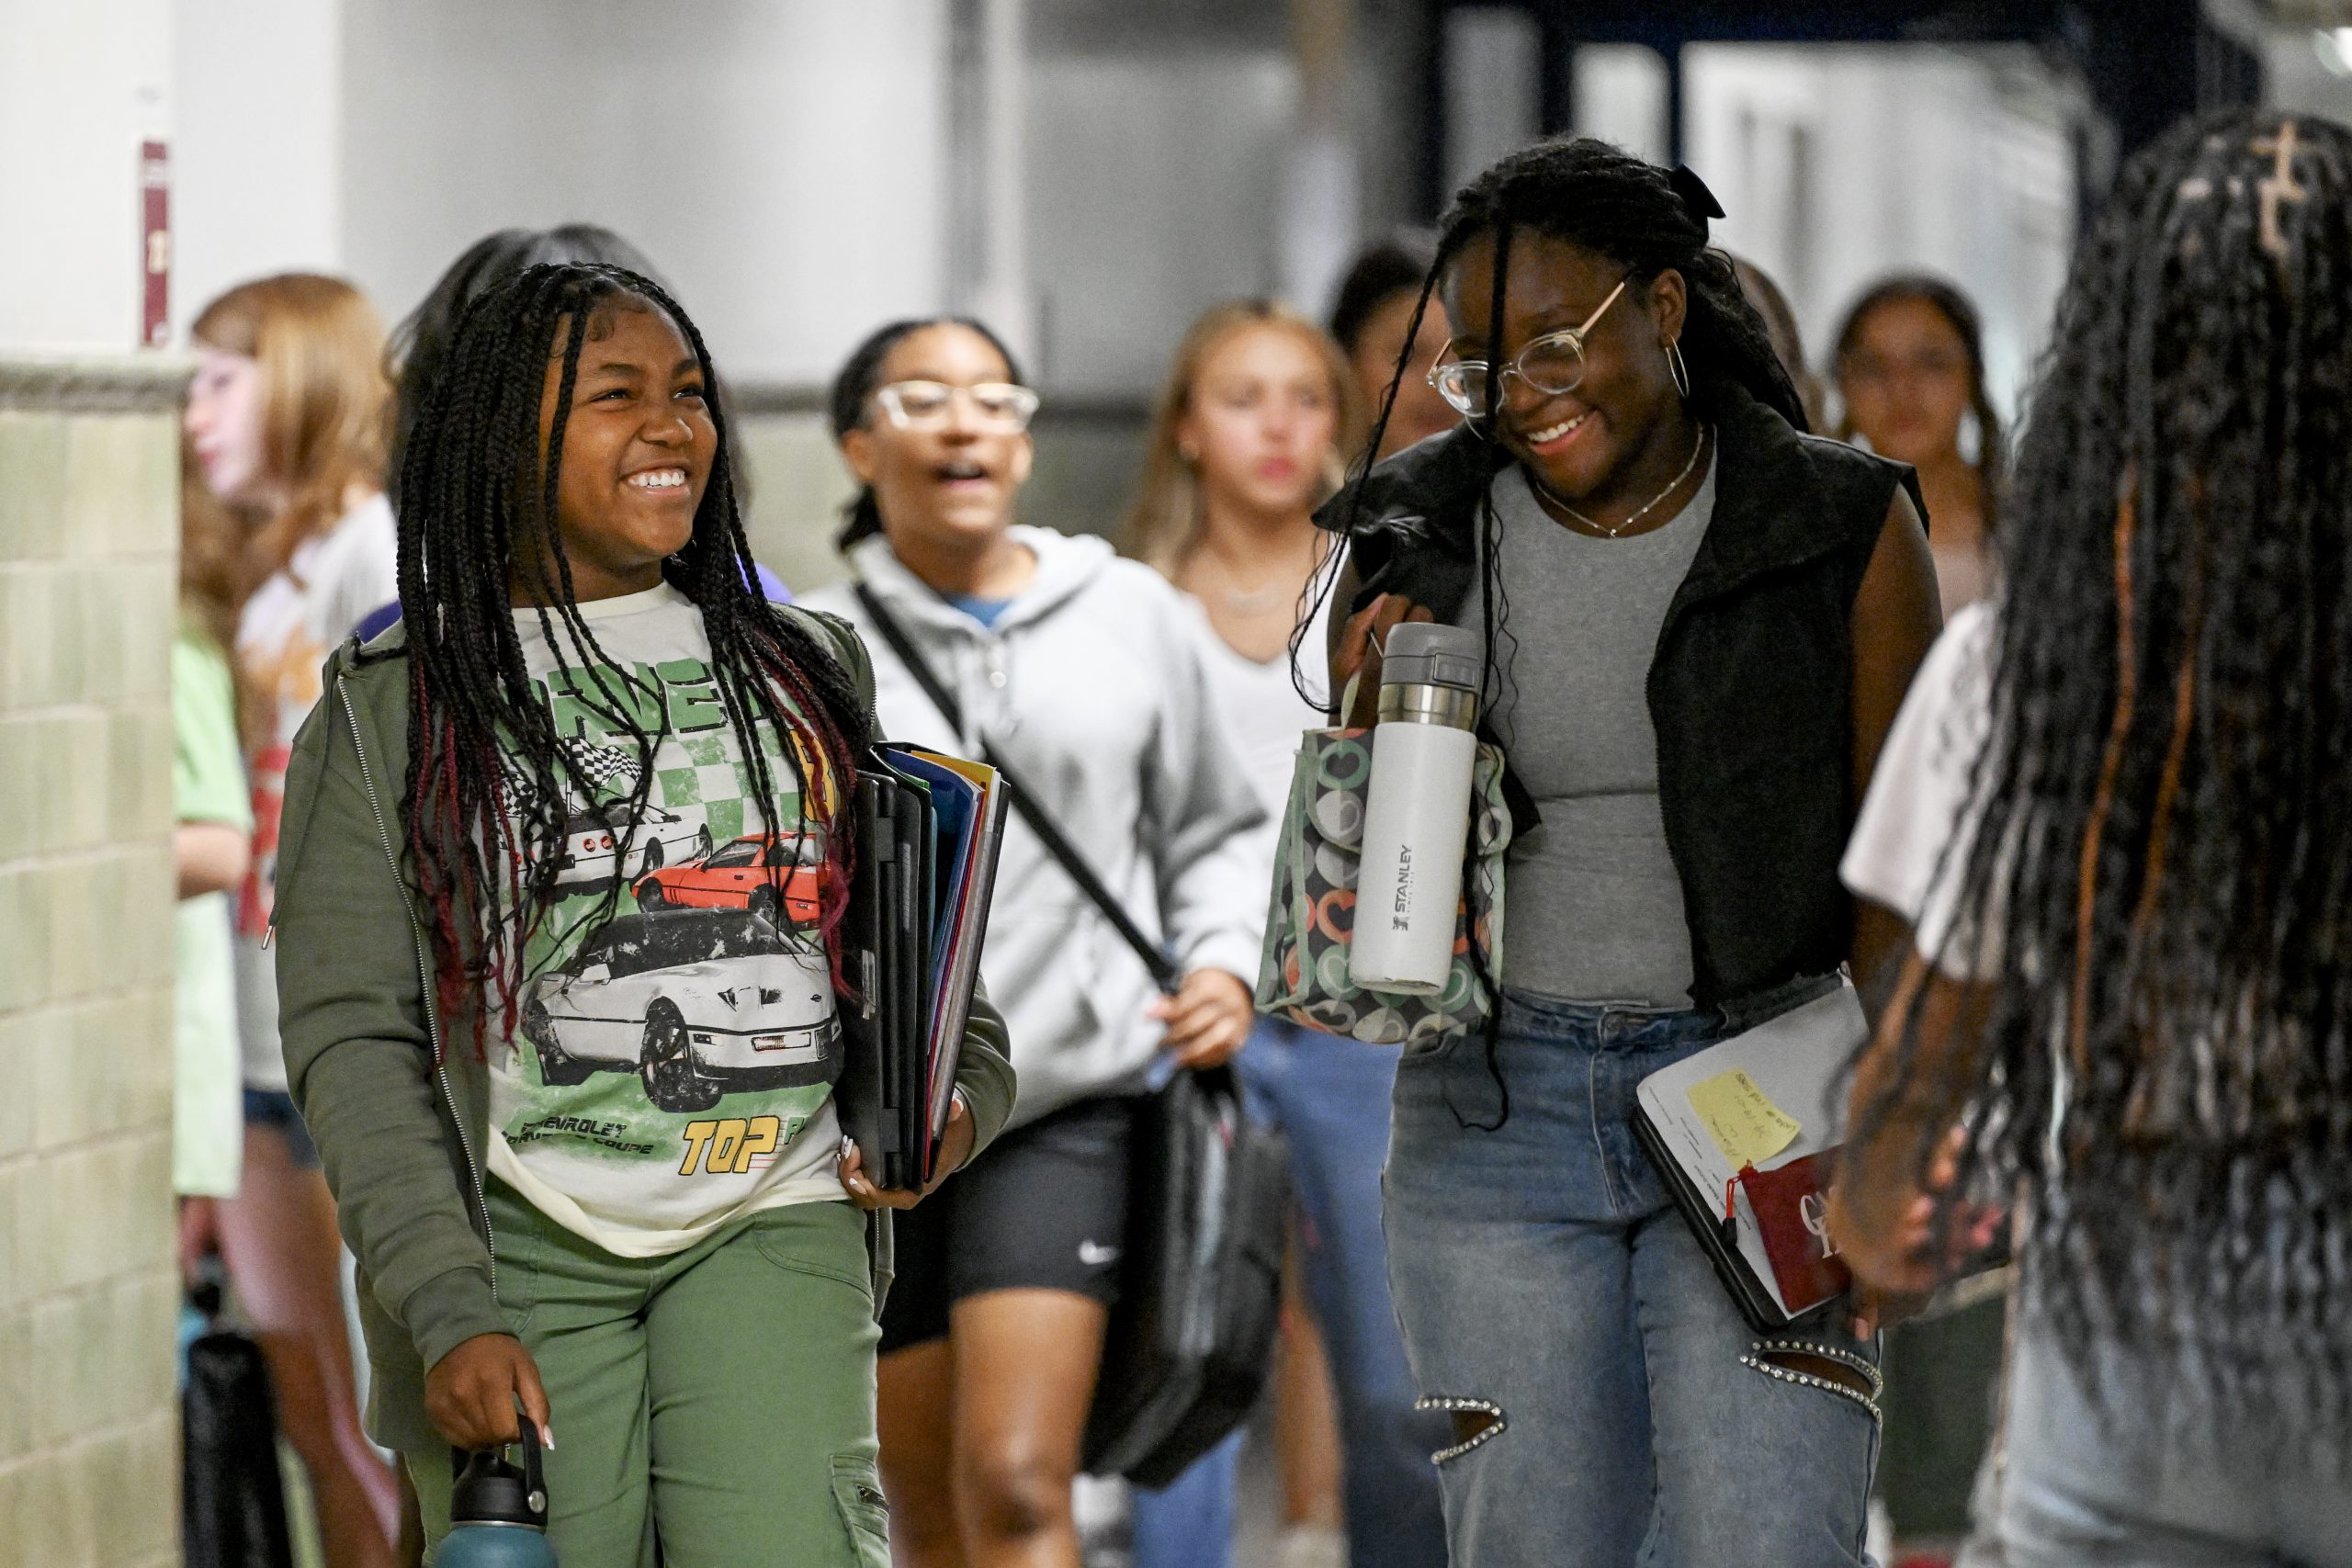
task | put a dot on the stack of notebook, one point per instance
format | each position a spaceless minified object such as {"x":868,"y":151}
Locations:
{"x":929,"y":829}
{"x":1745,"y":1134}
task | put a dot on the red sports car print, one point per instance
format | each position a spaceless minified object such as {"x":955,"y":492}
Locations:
{"x":742,"y":874}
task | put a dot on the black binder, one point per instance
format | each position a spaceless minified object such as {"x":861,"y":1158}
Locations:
{"x":862,"y":1097}
{"x":918,"y":909}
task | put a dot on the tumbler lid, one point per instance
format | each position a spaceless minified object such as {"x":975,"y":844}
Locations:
{"x":1428,"y":653}
{"x":490,"y":1490}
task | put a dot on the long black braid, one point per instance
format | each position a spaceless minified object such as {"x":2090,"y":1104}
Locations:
{"x":488,"y":775}
{"x":2170,"y":1050}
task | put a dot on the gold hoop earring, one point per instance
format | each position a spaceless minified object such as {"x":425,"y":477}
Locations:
{"x":1680,"y":369}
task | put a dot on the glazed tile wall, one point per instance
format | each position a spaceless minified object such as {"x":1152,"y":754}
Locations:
{"x":89,"y":1287}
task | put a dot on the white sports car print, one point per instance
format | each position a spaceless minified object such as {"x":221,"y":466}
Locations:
{"x":593,"y":840}
{"x":698,"y":1002}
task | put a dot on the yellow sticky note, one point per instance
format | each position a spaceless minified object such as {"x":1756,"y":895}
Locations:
{"x":1742,"y":1119}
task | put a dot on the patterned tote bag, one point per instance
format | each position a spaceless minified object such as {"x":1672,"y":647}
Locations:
{"x":1303,"y":973}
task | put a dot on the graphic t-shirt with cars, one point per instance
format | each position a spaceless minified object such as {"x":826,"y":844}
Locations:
{"x":677,"y":1044}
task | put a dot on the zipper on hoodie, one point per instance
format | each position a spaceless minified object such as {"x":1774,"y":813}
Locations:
{"x":424,"y":977}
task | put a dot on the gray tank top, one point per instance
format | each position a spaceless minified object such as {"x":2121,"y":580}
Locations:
{"x":1593,"y":907}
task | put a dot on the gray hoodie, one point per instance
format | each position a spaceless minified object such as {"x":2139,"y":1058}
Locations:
{"x":1090,"y":684}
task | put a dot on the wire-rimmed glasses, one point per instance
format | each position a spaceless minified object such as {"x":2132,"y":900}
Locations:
{"x":1553,"y":363}
{"x":998,"y":407}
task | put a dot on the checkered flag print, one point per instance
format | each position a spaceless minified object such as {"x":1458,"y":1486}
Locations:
{"x":611,"y":769}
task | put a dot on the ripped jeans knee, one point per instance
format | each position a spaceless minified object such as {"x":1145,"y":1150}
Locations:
{"x":1811,"y":1363}
{"x":1476,"y":1421}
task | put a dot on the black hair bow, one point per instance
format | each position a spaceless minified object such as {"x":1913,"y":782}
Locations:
{"x":1697,"y":200}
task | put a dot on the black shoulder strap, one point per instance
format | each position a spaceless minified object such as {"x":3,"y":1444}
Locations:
{"x":1066,"y":855}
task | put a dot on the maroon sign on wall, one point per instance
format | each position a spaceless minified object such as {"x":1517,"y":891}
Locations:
{"x":155,"y":244}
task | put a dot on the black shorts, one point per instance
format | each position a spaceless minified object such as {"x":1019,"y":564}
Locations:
{"x":1044,"y":1208}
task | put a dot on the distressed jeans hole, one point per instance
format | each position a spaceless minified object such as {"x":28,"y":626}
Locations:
{"x":1824,"y":1367}
{"x":1476,"y":1421}
{"x":1821,"y":1367}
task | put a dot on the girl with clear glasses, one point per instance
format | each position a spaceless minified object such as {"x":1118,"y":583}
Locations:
{"x":1699,"y":622}
{"x":1085,"y":670}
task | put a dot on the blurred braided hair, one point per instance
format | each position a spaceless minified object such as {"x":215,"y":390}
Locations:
{"x":483,"y":808}
{"x":2169,"y":1043}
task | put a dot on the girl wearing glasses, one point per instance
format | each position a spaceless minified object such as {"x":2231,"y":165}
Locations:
{"x":1086,"y":671}
{"x":1699,"y":623}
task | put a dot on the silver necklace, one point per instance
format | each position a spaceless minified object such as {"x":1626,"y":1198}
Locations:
{"x":1244,"y":601}
{"x":1603,"y":529}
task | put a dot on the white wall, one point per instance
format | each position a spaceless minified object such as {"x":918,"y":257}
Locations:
{"x":1494,"y":89}
{"x":256,"y":153}
{"x":81,"y":85}
{"x":1621,"y":91}
{"x":2309,"y":71}
{"x":1838,"y":165}
{"x":1155,"y":191}
{"x":781,"y":161}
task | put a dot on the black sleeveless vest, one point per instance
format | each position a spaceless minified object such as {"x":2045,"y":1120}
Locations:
{"x":1750,"y":689}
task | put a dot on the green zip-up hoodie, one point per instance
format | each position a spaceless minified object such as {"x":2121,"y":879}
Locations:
{"x":400,"y":1121}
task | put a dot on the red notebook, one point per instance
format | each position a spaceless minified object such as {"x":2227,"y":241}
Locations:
{"x":1790,"y":1204}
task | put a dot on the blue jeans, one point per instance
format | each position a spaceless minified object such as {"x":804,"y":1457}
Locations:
{"x":2156,"y":1481}
{"x":1332,"y":1096}
{"x":1611,"y":1405}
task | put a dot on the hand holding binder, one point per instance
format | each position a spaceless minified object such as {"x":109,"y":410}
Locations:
{"x":930,"y":828}
{"x":1745,"y":1134}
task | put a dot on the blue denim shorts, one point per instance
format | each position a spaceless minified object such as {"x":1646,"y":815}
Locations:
{"x":274,"y":1110}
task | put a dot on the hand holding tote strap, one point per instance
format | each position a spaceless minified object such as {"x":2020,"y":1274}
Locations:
{"x":1066,"y":855}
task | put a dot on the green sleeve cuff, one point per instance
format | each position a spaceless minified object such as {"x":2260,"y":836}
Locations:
{"x":986,"y":1084}
{"x":450,"y":1309}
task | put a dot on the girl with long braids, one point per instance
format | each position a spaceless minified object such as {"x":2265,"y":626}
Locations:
{"x":1699,"y":624}
{"x":1910,"y":371}
{"x":2111,"y":812}
{"x":1085,"y":670}
{"x":566,"y":860}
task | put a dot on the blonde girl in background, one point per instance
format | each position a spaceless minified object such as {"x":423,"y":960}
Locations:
{"x":287,"y":418}
{"x":1258,"y":413}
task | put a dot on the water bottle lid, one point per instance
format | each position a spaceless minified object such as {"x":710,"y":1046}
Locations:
{"x":1426,"y":653}
{"x":491,"y":1491}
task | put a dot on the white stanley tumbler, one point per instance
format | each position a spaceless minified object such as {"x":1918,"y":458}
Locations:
{"x":1416,"y":811}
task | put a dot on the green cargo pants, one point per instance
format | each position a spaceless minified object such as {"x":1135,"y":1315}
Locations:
{"x":721,"y":1397}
